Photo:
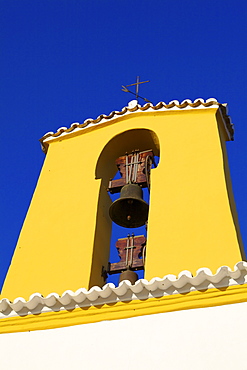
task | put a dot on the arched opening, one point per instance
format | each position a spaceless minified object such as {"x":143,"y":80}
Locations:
{"x":106,"y":232}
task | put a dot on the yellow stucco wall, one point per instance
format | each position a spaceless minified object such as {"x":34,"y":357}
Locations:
{"x":123,"y":310}
{"x":65,"y":238}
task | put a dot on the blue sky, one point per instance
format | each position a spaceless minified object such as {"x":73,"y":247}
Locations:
{"x":65,"y":61}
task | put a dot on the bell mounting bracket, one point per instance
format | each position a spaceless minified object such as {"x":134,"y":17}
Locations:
{"x":131,"y":251}
{"x":134,"y":168}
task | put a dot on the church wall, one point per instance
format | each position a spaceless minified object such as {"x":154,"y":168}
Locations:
{"x":206,"y":338}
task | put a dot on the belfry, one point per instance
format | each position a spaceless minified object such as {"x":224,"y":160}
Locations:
{"x":192,"y":254}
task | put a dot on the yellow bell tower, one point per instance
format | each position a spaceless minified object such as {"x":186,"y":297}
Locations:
{"x":64,"y":242}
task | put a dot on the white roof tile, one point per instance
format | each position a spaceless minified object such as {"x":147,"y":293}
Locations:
{"x":134,"y":107}
{"x":143,"y":289}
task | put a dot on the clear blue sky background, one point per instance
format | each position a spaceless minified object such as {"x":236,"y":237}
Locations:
{"x":65,"y":61}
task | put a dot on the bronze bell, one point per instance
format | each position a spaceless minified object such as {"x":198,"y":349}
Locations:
{"x":128,"y":275}
{"x":130,"y":210}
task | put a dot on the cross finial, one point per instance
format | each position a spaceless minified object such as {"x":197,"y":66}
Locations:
{"x":124,"y":88}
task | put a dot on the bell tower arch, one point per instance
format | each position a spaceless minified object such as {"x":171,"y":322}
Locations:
{"x":106,"y":169}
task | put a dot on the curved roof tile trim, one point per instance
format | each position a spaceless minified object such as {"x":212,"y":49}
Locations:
{"x":149,"y":107}
{"x":142,"y":289}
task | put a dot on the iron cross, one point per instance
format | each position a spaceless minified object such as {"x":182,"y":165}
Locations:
{"x":124,"y":88}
